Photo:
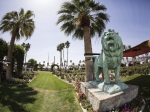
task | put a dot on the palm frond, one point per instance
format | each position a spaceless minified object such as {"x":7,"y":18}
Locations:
{"x":102,"y":16}
{"x":68,"y":27}
{"x":98,"y":25}
{"x":59,"y":47}
{"x":14,"y":16}
{"x":6,"y":25}
{"x":21,"y":13}
{"x":27,"y":27}
{"x":64,"y":18}
{"x":7,"y":16}
{"x":92,"y":30}
{"x":67,"y":44}
{"x":29,"y":14}
{"x":13,"y":20}
{"x":63,"y":11}
{"x":77,"y":13}
{"x":18,"y":36}
{"x":22,"y":33}
{"x":69,"y":30}
{"x":78,"y":34}
{"x":68,"y":6}
{"x":96,"y":6}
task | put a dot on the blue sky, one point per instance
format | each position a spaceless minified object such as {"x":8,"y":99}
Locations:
{"x":131,"y":18}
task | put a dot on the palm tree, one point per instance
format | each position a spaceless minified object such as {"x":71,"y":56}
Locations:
{"x":84,"y":19}
{"x":80,"y":61}
{"x":59,"y":49}
{"x":125,"y":47}
{"x":20,"y":24}
{"x":129,"y":46}
{"x":73,"y":65}
{"x":83,"y":61}
{"x":62,"y":46}
{"x":67,"y":44}
{"x":71,"y":61}
{"x":26,"y":47}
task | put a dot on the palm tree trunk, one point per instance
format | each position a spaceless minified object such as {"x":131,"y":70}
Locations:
{"x":60,"y":61}
{"x":67,"y":57}
{"x":9,"y":58}
{"x":63,"y":59}
{"x":63,"y":54}
{"x":88,"y":49}
{"x":9,"y":55}
{"x":25,"y":57}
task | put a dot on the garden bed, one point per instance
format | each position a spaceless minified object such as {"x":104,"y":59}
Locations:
{"x":26,"y":77}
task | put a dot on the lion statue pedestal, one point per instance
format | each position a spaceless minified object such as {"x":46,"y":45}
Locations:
{"x":103,"y":94}
{"x":104,"y":102}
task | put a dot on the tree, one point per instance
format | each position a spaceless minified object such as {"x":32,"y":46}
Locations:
{"x":18,"y":56}
{"x":26,"y":47}
{"x":20,"y":24}
{"x":67,"y":44}
{"x":83,"y":61}
{"x":59,"y":49}
{"x":3,"y":51}
{"x":125,"y":47}
{"x":84,"y":19}
{"x":129,"y":46}
{"x":41,"y":66}
{"x":80,"y":61}
{"x":62,"y":46}
{"x":78,"y":66}
{"x":33,"y":63}
{"x":71,"y":61}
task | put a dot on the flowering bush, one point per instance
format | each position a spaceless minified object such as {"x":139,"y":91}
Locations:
{"x":137,"y":69}
{"x":82,"y":98}
{"x":71,"y":76}
{"x":26,"y":78}
{"x":134,"y":106}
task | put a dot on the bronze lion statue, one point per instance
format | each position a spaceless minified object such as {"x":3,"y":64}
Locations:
{"x":110,"y":57}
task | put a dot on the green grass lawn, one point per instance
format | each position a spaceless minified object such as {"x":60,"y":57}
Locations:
{"x":143,"y":81}
{"x":45,"y":93}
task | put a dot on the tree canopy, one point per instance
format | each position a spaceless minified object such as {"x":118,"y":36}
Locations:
{"x":33,"y":62}
{"x":77,"y":13}
{"x":18,"y":56}
{"x":3,"y":51}
{"x":3,"y":48}
{"x":19,"y":24}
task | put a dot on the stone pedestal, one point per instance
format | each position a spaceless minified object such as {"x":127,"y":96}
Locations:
{"x":102,"y":101}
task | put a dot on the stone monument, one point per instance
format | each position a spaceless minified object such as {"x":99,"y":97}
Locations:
{"x":110,"y":58}
{"x":103,"y":94}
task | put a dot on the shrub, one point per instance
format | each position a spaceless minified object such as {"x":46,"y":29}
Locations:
{"x":138,"y":69}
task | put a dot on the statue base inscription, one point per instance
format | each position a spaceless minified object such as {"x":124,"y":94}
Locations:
{"x":103,"y":101}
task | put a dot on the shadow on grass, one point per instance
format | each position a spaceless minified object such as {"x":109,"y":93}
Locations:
{"x":143,"y":82}
{"x":15,"y":96}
